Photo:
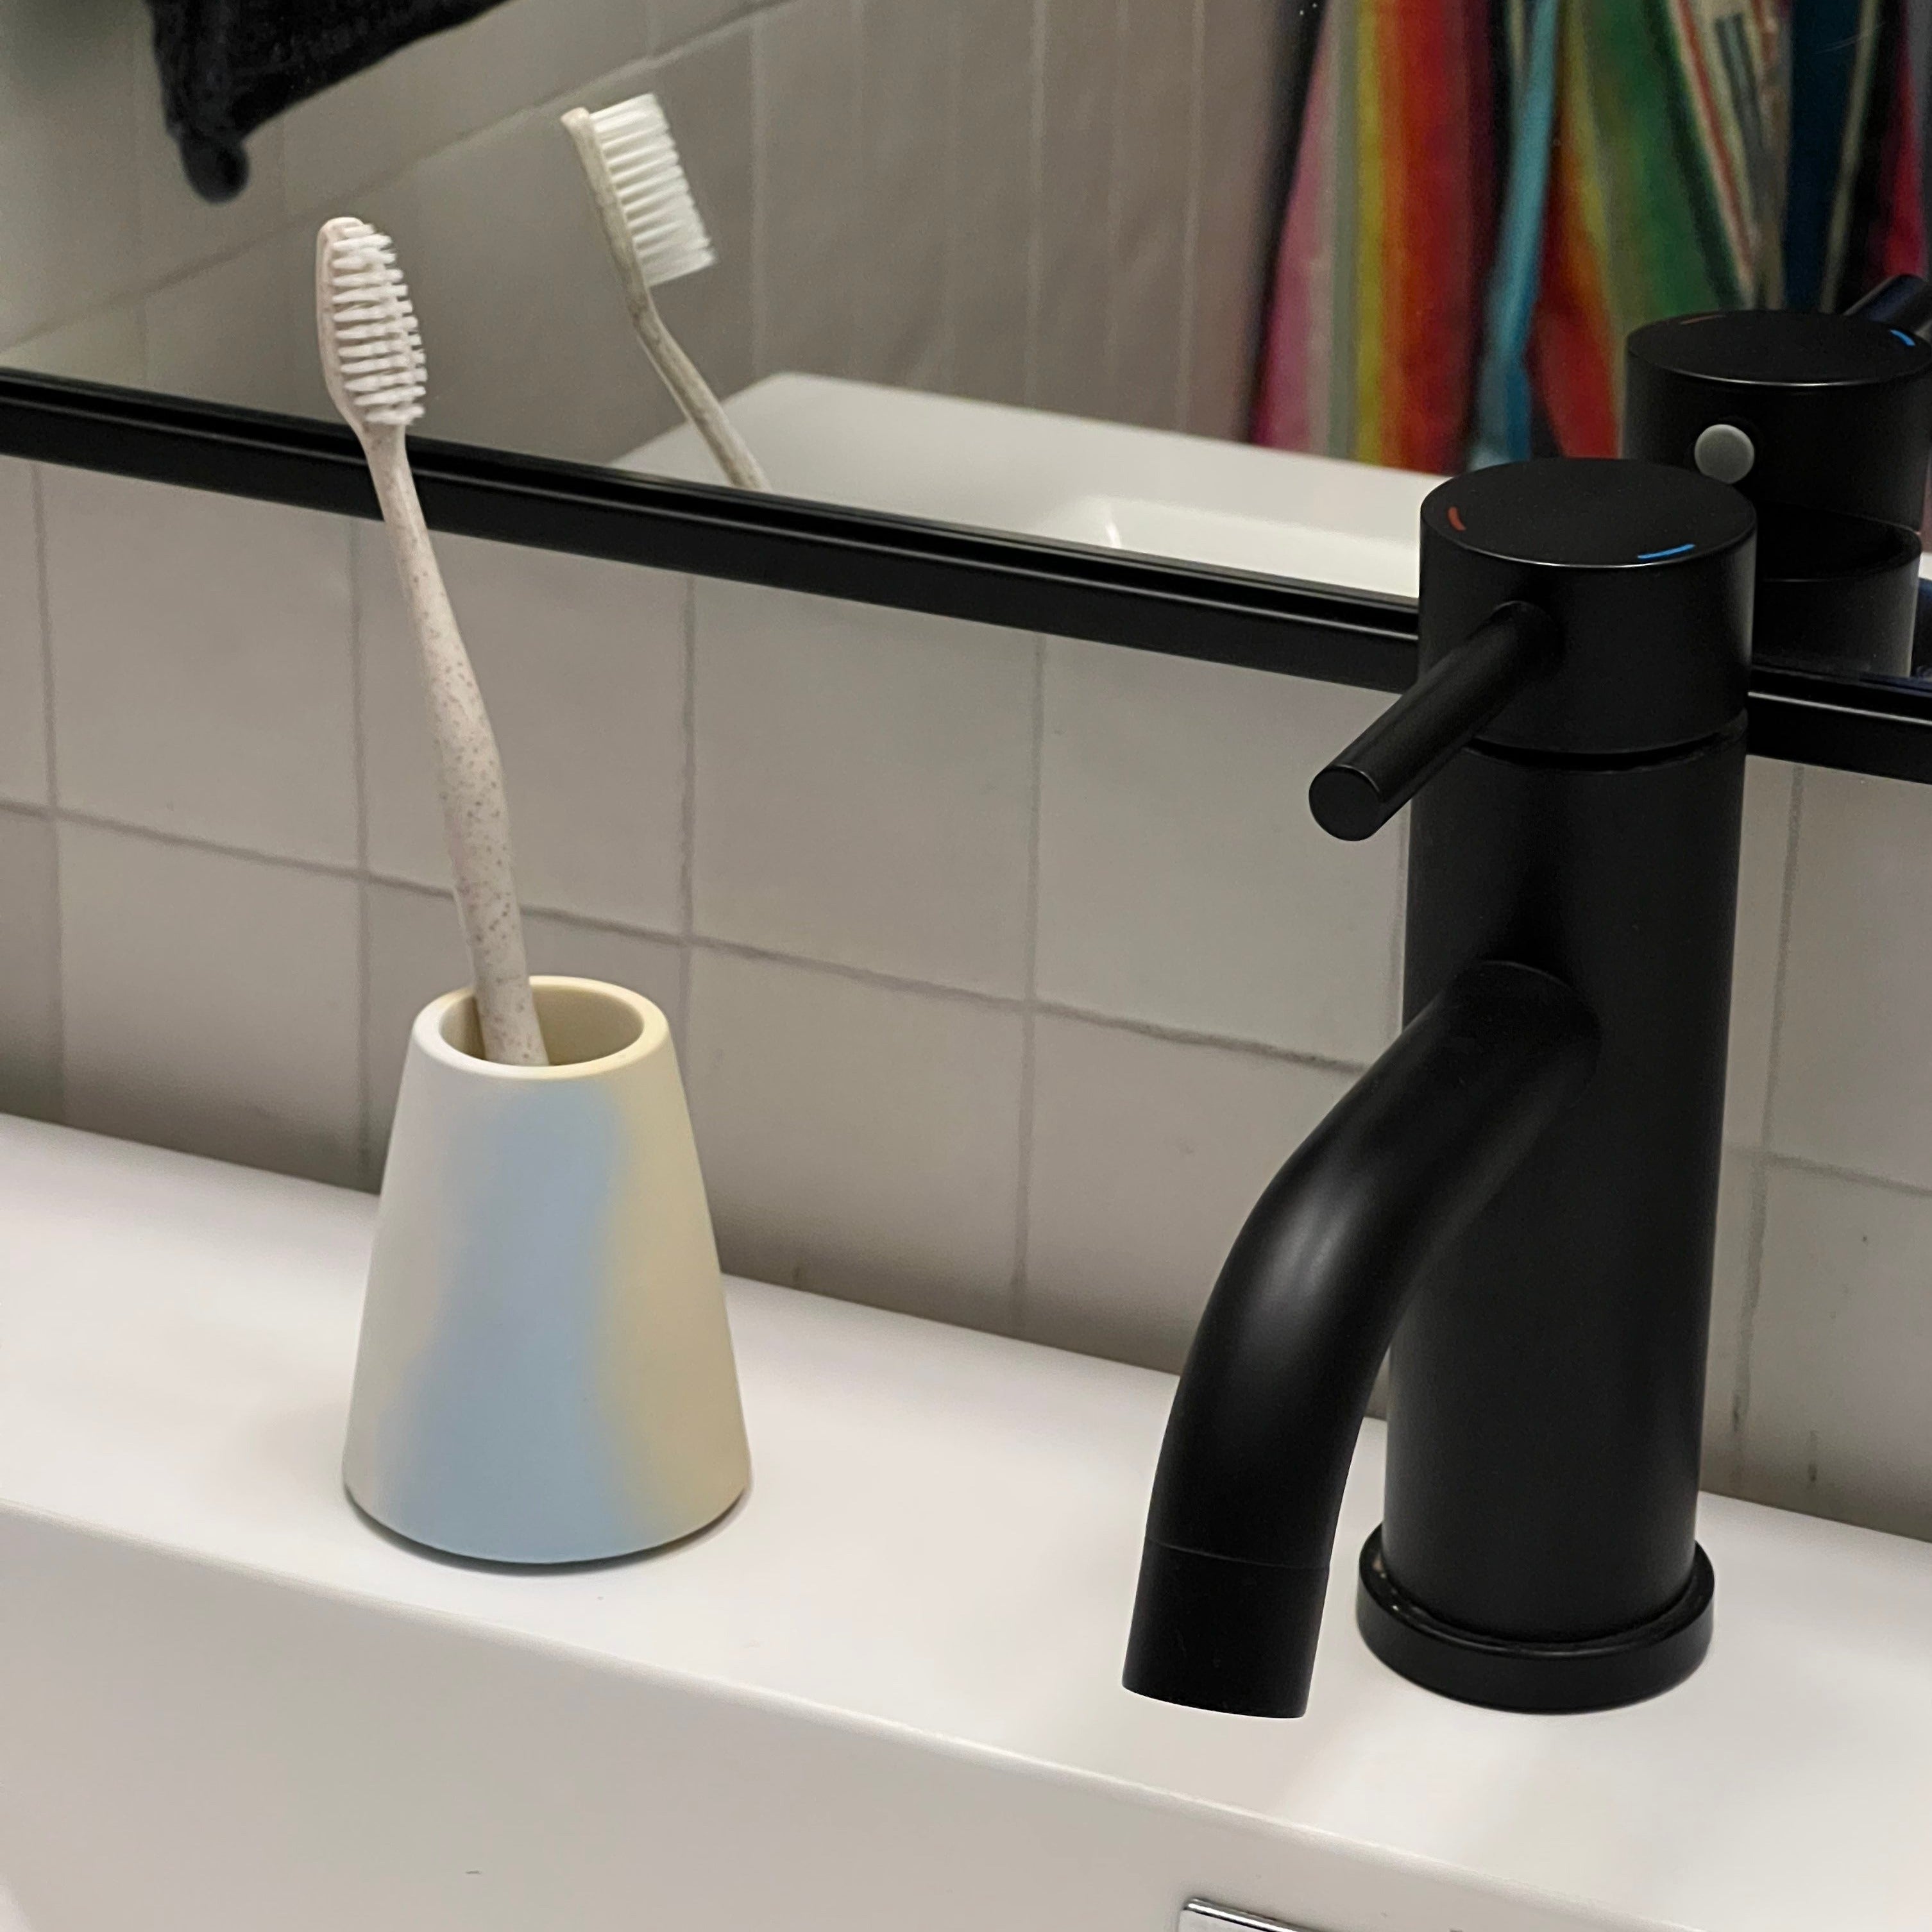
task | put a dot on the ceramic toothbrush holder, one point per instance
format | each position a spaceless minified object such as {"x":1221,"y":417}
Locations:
{"x":545,"y":1373}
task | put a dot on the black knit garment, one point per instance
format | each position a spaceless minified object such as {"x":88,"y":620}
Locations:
{"x":228,"y":65}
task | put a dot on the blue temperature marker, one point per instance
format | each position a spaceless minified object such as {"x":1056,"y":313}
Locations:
{"x":1910,"y":341}
{"x":1652,"y":556}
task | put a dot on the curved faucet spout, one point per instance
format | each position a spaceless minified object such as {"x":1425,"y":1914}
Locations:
{"x":1264,"y":1421}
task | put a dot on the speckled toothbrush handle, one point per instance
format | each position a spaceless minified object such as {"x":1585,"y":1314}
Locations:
{"x":469,"y":777}
{"x":694,"y":395}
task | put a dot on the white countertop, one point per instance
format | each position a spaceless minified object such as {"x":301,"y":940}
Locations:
{"x":942,"y":1537}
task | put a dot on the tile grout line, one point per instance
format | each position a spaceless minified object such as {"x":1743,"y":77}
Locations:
{"x":1036,"y":165}
{"x":761,"y":105}
{"x":1740,"y":1377}
{"x":949,"y":159}
{"x":327,"y":868}
{"x":589,"y":922}
{"x":951,"y":334}
{"x":36,"y":497}
{"x":1787,"y":901}
{"x":687,"y":884}
{"x":1110,"y":323}
{"x":870,"y":976}
{"x":1747,"y":1336}
{"x":375,"y":876}
{"x":1190,"y":223}
{"x":696,"y":943}
{"x":1399,"y":932}
{"x":722,"y":30}
{"x":858,"y":192}
{"x":364,"y":898}
{"x":1825,"y":1170}
{"x":1030,"y":1019}
{"x":1257,"y":1049}
{"x":854,"y":55}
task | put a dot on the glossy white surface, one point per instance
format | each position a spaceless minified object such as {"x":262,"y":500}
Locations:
{"x":1110,"y":484}
{"x":544,"y":1374}
{"x":884,"y":1693}
{"x":1279,"y":549}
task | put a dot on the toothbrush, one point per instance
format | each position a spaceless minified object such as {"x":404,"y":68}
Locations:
{"x":656,"y":234}
{"x":373,"y":362}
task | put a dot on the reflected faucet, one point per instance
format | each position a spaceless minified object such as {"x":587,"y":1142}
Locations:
{"x":1517,"y":1200}
{"x":1824,"y":422}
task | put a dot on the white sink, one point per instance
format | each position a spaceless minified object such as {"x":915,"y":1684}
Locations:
{"x":883,"y":1697}
{"x":1276,"y":549}
{"x":993,"y":466}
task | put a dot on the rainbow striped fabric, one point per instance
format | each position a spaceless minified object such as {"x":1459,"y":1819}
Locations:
{"x":1491,"y":194}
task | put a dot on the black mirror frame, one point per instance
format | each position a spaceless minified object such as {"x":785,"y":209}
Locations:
{"x":1020,"y":582}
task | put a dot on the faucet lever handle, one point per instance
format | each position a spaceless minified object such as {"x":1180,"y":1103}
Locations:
{"x":1903,"y":302}
{"x":1361,"y":791}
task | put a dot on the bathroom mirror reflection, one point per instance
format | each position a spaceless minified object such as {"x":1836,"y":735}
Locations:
{"x":1226,"y":281}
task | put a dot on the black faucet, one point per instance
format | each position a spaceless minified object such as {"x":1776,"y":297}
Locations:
{"x":1520,"y":1194}
{"x":1824,"y":422}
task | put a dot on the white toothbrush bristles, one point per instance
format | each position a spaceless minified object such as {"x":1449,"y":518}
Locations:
{"x":667,"y":234}
{"x":655,"y":234}
{"x":373,"y":362}
{"x":368,"y":327}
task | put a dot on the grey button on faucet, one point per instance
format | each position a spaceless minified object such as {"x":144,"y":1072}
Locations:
{"x":1723,"y":452}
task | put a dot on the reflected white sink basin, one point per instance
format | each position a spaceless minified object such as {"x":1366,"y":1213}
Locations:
{"x":1238,"y":543}
{"x":996,"y":467}
{"x":883,"y":1697}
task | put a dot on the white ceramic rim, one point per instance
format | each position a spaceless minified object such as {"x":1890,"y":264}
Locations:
{"x":654,"y":1033}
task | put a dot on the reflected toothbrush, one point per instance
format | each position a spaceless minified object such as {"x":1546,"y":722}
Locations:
{"x":656,"y":234}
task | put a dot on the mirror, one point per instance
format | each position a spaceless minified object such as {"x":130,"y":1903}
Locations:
{"x":1225,"y":280}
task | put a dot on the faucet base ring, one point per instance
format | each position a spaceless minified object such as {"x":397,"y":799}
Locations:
{"x":1522,"y":1674}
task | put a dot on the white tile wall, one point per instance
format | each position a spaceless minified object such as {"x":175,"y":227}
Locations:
{"x":1234,"y":162}
{"x":202,"y":686}
{"x":1733,"y":1295}
{"x":1157,"y":106}
{"x":1014,"y":198}
{"x":1763,"y":876}
{"x":1182,"y":880}
{"x":70,"y":77}
{"x":865,"y":787}
{"x":859,"y":1139}
{"x":193,"y":347}
{"x":1841,"y":1352}
{"x":585,"y":665}
{"x":105,"y":345}
{"x":1004,"y":973}
{"x":29,"y":967}
{"x":907,"y":105}
{"x":434,"y":93}
{"x":23,"y":714}
{"x":996,"y":191}
{"x":1849,"y":1090}
{"x":675,"y":22}
{"x":210,"y":1001}
{"x":804,"y":151}
{"x":1081,"y":55}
